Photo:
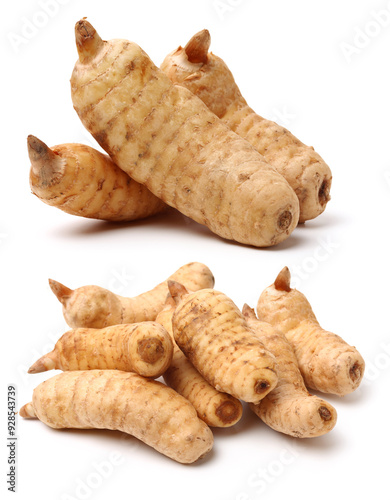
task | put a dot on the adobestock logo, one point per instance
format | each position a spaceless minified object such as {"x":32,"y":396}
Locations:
{"x":322,"y":252}
{"x":102,"y":471}
{"x":38,"y":20}
{"x":363,"y":36}
{"x":259,"y":480}
{"x":223,"y":7}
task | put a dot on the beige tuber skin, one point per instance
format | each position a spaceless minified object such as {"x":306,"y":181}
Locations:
{"x":144,"y":348}
{"x":215,"y":408}
{"x":165,"y":138}
{"x":82,"y":181}
{"x":209,"y":78}
{"x":124,"y":401}
{"x":328,"y":364}
{"x":213,"y":334}
{"x":289,"y":408}
{"x":95,"y":307}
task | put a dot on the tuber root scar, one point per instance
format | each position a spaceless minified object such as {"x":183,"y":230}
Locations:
{"x":228,"y":412}
{"x":323,"y":192}
{"x":150,"y":350}
{"x":325,"y":414}
{"x":284,"y":221}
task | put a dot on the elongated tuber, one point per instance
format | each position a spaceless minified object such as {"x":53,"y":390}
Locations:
{"x":209,"y":78}
{"x":213,"y":334}
{"x":124,"y":401}
{"x":82,"y":181}
{"x":327,"y":362}
{"x":144,"y":348}
{"x":95,"y":307}
{"x":215,"y":408}
{"x":289,"y":408}
{"x":165,"y":138}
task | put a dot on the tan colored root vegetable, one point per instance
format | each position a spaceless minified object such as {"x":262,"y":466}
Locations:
{"x":95,"y":307}
{"x":144,"y":348}
{"x":213,"y":334}
{"x":165,"y":138}
{"x":327,"y":362}
{"x":208,"y":77}
{"x":124,"y":401}
{"x":213,"y":407}
{"x":289,"y":408}
{"x":81,"y":181}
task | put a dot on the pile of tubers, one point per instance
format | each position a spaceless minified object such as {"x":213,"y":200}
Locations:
{"x":211,"y":356}
{"x":181,"y":136}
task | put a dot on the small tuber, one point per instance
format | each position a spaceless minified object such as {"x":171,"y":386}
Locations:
{"x":289,"y":408}
{"x":144,"y":348}
{"x":124,"y":401}
{"x":328,"y":364}
{"x":213,"y":334}
{"x":82,"y":181}
{"x":215,"y":408}
{"x":95,"y":307}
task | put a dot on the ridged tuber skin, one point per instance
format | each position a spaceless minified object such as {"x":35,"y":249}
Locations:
{"x":144,"y":348}
{"x":95,"y":307}
{"x":328,"y":364}
{"x":165,"y":138}
{"x":215,"y":408}
{"x":213,"y":334}
{"x":209,"y":78}
{"x":124,"y":401}
{"x":82,"y":181}
{"x":289,"y":408}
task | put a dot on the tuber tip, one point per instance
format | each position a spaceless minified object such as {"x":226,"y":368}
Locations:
{"x":61,"y":291}
{"x":177,"y":290}
{"x":169,"y":302}
{"x":27,"y":411}
{"x":37,"y":149}
{"x":282,"y":282}
{"x":248,"y":312}
{"x":45,"y":363}
{"x":198,"y":47}
{"x":88,"y":41}
{"x":44,"y":161}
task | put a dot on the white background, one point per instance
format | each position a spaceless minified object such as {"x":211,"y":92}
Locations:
{"x":290,"y":63}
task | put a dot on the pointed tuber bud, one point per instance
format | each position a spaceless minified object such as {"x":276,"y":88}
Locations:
{"x":282,"y":282}
{"x":88,"y":41}
{"x":45,"y":163}
{"x":197,"y":48}
{"x":177,"y":290}
{"x":61,"y":291}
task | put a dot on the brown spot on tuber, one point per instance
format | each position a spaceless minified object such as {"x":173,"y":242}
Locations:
{"x":261,"y":386}
{"x":323,"y":192}
{"x":355,"y":372}
{"x":284,"y":221}
{"x":228,"y":412}
{"x":325,"y":414}
{"x":151,"y":350}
